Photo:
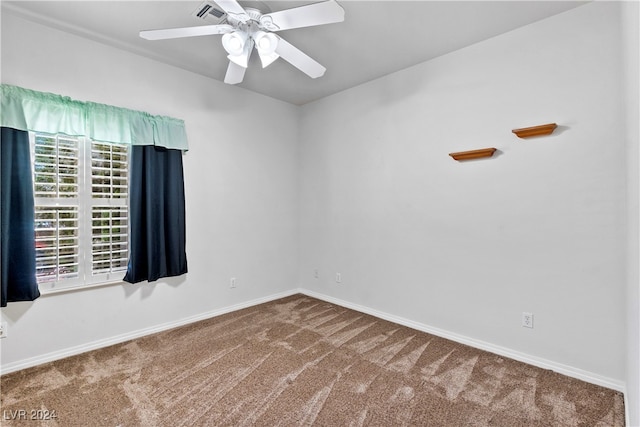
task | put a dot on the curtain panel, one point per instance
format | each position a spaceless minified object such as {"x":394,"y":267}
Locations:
{"x":17,"y":253}
{"x":157,"y":215}
{"x":29,"y":110}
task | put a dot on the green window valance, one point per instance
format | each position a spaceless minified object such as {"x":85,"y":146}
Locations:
{"x":25,"y":109}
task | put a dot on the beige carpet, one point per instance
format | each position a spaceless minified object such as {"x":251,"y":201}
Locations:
{"x":300,"y":361}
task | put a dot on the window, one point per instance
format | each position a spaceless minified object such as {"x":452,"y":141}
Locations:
{"x":81,"y":211}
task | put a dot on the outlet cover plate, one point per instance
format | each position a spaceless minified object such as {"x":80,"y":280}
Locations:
{"x":527,"y":320}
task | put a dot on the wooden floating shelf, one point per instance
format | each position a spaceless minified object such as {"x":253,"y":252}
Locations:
{"x":535,"y":130}
{"x":473,"y":154}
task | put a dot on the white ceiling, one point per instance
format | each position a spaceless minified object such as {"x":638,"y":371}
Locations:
{"x":377,"y":37}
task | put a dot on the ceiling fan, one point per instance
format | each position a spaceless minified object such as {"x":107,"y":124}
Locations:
{"x":244,"y":28}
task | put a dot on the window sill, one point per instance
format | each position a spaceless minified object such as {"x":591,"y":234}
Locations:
{"x":45,"y":292}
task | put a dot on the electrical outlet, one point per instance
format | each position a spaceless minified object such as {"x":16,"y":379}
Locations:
{"x":315,"y":273}
{"x":232,"y":282}
{"x":527,"y":320}
{"x":338,"y":278}
{"x":3,"y":330}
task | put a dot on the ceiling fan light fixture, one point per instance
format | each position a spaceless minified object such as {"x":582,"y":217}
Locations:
{"x":267,"y":59}
{"x":266,"y":43}
{"x":242,"y":59}
{"x":234,"y":42}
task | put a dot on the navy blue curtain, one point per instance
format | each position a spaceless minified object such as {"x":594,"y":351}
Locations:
{"x":18,"y":254}
{"x":157,"y":214}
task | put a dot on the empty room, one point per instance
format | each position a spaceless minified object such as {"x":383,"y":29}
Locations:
{"x":320,"y":213}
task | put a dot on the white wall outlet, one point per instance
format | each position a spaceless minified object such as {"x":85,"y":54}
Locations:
{"x":232,"y":282}
{"x":338,"y":278}
{"x":315,"y":273}
{"x":527,"y":320}
{"x":3,"y":330}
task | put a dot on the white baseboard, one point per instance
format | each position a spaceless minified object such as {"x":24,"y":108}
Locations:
{"x":94,"y":345}
{"x":502,"y":351}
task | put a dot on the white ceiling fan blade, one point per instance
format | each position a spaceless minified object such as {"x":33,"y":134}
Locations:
{"x":235,"y":73}
{"x":175,"y":33}
{"x":233,"y":9}
{"x":326,"y":12}
{"x":299,"y":59}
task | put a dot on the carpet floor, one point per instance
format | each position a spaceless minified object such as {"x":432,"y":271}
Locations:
{"x":299,"y":361}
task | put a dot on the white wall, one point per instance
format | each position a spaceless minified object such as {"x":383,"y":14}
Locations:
{"x":464,"y":247}
{"x":467,"y":247}
{"x":241,"y":195}
{"x":631,"y":68}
